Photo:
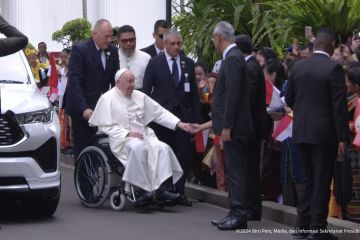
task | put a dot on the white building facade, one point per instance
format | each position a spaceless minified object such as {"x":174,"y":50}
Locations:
{"x":38,"y":19}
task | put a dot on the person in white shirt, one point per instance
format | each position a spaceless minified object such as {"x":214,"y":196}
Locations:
{"x":124,"y":114}
{"x":129,"y":57}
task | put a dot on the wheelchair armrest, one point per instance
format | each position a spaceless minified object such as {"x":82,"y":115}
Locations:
{"x":100,"y":138}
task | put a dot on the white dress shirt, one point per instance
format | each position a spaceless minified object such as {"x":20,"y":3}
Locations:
{"x":137,"y":63}
{"x":170,"y":63}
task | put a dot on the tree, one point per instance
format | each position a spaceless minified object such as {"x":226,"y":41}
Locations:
{"x":197,"y":22}
{"x":269,"y":22}
{"x":73,"y":31}
{"x":284,"y":20}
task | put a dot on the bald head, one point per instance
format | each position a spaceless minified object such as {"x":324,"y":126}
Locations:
{"x":102,"y":33}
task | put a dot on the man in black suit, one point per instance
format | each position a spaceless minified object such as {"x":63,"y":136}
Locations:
{"x":160,"y":27}
{"x":316,"y":92}
{"x":258,"y":114}
{"x":14,"y":40}
{"x":170,"y":80}
{"x":92,"y":67}
{"x":231,"y":118}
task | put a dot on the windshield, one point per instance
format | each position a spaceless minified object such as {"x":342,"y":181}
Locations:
{"x":13,"y":69}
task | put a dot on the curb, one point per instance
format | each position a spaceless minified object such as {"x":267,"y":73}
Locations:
{"x":271,"y":211}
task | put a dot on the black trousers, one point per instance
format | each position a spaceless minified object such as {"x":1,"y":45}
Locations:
{"x":253,"y":170}
{"x":82,"y":133}
{"x":236,"y":165}
{"x":179,"y":141}
{"x":314,"y":191}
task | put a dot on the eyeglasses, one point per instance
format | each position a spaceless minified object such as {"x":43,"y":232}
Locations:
{"x":128,"y":40}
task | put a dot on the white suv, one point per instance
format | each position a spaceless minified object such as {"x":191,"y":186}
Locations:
{"x":29,"y":139}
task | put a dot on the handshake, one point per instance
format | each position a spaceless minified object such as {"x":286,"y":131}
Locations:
{"x":191,"y":127}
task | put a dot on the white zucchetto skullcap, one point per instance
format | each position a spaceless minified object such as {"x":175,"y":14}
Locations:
{"x":119,"y":73}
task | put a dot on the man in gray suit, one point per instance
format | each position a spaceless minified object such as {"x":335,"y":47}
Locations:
{"x":231,"y":118}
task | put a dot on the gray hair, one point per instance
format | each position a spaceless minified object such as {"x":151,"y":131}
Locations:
{"x":171,"y":32}
{"x":99,"y":23}
{"x":226,"y":30}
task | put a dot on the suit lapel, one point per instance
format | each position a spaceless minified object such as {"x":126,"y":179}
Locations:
{"x":153,"y":49}
{"x":183,"y":69}
{"x":165,"y":63}
{"x":95,"y":54}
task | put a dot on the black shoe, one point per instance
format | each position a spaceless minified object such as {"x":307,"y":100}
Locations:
{"x":144,"y":199}
{"x":165,"y":198}
{"x":219,"y":222}
{"x":301,"y":232}
{"x":253,"y":216}
{"x":321,"y":236}
{"x":232,"y":223}
{"x":183,"y":201}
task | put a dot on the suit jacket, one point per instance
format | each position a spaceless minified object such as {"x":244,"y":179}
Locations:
{"x":316,"y":92}
{"x":87,"y":77}
{"x":150,"y":50}
{"x":257,"y":97}
{"x":158,"y":84}
{"x":231,"y":98}
{"x":15,"y":40}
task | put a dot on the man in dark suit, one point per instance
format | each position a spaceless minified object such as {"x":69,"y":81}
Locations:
{"x":160,"y":27}
{"x":92,"y":67}
{"x":316,"y":92}
{"x":14,"y":40}
{"x":258,"y":114}
{"x":170,"y":80}
{"x":231,"y":118}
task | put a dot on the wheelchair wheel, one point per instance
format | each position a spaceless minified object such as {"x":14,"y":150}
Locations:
{"x":117,"y":201}
{"x":92,"y":176}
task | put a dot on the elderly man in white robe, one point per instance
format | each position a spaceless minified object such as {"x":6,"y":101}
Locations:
{"x":124,"y":114}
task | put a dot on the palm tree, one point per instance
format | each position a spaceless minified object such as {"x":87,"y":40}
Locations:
{"x":197,"y":22}
{"x":284,"y":20}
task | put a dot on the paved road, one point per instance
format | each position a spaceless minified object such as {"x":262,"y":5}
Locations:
{"x":73,"y":221}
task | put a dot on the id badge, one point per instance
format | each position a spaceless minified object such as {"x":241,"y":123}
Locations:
{"x":187,"y":87}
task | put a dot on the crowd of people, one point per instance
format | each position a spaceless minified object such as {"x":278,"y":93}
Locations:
{"x":167,"y":100}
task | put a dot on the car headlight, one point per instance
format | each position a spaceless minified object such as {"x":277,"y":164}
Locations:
{"x":41,"y":116}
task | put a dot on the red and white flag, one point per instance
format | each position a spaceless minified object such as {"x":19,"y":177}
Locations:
{"x":284,"y":128}
{"x":201,"y":139}
{"x":53,"y":79}
{"x":273,"y":99}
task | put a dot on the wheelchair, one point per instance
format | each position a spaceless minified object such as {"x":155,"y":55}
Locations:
{"x":98,"y":176}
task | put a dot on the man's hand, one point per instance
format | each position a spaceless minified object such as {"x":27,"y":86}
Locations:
{"x":135,"y":135}
{"x":276,"y":115}
{"x":87,"y":114}
{"x":185,"y":127}
{"x":355,"y":44}
{"x":196,"y":127}
{"x":225,"y":135}
{"x":342,"y":147}
{"x":202,"y":84}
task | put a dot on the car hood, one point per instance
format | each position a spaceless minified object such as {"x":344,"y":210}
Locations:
{"x":21,"y":98}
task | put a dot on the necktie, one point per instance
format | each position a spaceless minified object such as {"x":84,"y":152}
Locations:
{"x":175,"y":72}
{"x":102,"y":57}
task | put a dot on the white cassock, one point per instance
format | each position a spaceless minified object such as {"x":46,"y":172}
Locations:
{"x":148,"y":162}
